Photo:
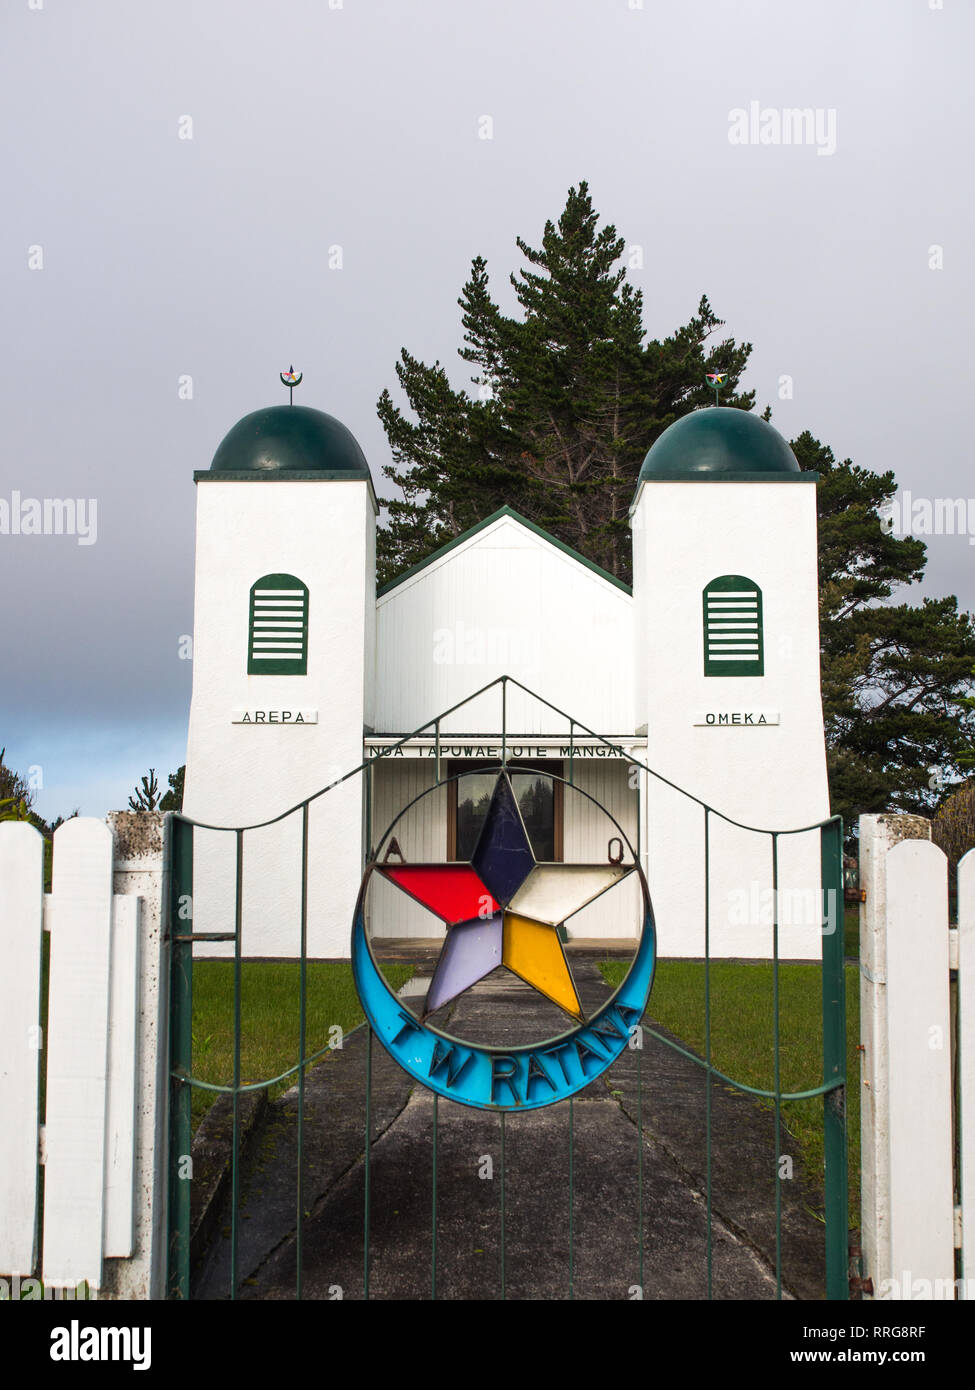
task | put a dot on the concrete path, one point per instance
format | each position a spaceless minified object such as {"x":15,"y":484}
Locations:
{"x":605,"y":1207}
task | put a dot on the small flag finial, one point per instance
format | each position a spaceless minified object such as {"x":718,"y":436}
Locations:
{"x":291,"y":379}
{"x":717,"y":380}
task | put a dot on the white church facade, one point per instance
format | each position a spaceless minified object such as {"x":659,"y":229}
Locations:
{"x":706,"y":671}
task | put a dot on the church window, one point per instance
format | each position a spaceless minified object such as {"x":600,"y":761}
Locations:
{"x":539,"y":800}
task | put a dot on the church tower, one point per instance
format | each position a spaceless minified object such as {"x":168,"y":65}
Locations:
{"x":283,"y":656}
{"x":726,"y":649}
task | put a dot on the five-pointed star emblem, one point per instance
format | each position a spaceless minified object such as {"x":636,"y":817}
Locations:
{"x":504,"y":908}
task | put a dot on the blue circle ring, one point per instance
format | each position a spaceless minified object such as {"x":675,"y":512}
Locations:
{"x":514,"y":1078}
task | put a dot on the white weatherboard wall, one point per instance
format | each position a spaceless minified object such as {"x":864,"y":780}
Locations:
{"x":422,"y":838}
{"x":322,"y":532}
{"x":505,"y":601}
{"x":686,"y":534}
{"x":617,"y":913}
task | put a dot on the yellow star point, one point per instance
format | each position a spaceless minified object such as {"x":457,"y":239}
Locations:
{"x":533,"y":951}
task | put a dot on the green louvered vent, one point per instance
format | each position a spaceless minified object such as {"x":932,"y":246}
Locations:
{"x":733,"y":644}
{"x":277,"y":642}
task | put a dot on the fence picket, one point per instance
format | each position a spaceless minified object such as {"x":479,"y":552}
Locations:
{"x":921,"y":1195}
{"x":122,"y":1057}
{"x":77,"y":1058}
{"x":22,"y":888}
{"x":966,"y":1062}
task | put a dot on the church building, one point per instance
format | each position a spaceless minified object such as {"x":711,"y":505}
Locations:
{"x":705,"y":671}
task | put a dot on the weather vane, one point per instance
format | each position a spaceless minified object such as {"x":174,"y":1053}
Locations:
{"x":291,"y":379}
{"x":717,"y":380}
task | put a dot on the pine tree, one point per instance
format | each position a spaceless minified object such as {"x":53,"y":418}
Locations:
{"x":893,"y":674}
{"x":146,"y":798}
{"x":173,"y":799}
{"x":569,"y":398}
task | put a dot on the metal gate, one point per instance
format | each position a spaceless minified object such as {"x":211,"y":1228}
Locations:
{"x":182,"y":936}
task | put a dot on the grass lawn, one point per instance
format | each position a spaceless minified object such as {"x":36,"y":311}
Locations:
{"x":741,"y":1039}
{"x":268,"y":1018}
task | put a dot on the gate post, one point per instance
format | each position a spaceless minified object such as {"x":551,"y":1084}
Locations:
{"x":140,"y":853}
{"x":179,"y":1150}
{"x":836,"y":1186}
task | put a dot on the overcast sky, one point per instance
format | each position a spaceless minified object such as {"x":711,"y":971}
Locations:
{"x":175,"y":172}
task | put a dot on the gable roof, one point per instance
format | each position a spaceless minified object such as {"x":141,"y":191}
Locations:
{"x":489,"y":521}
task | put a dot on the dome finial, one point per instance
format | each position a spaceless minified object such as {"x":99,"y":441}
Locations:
{"x":717,"y":380}
{"x":291,"y":379}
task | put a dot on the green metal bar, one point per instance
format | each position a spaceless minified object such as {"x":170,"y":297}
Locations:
{"x":822,"y":1090}
{"x":572,"y":751}
{"x":235,"y":1157}
{"x":572,"y":1241}
{"x":503,"y":1280}
{"x":246,"y":1086}
{"x":707,"y":1047}
{"x":834,"y":1064}
{"x":367,"y":1174}
{"x":433,"y":1208}
{"x":180,"y":1057}
{"x":777,"y":1079}
{"x":436,"y":765}
{"x":271,"y":1080}
{"x":302,"y":1031}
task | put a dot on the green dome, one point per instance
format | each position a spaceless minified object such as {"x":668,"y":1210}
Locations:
{"x":290,"y":439}
{"x":718,"y":442}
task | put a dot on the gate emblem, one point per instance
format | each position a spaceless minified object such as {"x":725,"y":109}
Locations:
{"x":504,"y":907}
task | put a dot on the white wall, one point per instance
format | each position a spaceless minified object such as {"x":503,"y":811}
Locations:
{"x":505,"y":602}
{"x":686,"y":534}
{"x":321,"y":532}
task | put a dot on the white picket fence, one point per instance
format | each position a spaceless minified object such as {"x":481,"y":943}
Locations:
{"x":101,"y":1142}
{"x":917,"y":1078}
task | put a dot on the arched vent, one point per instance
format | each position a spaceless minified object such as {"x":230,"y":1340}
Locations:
{"x":733,"y":642}
{"x":277,"y":642}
